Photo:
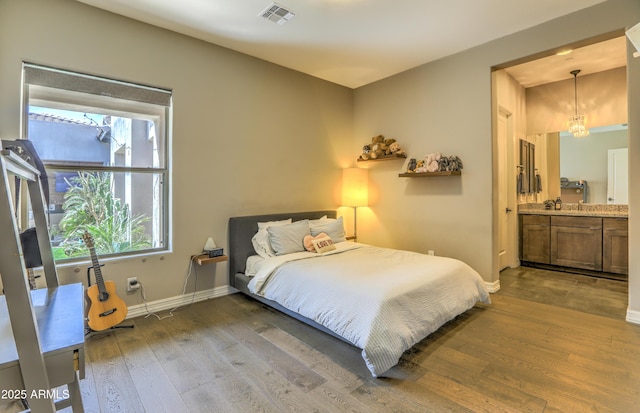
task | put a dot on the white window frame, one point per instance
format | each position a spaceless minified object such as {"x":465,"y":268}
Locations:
{"x":61,"y":89}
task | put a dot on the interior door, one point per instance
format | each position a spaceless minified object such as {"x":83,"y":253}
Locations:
{"x":506,"y":217}
{"x":618,"y":176}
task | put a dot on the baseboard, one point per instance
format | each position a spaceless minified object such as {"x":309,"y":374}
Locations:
{"x":177,"y":301}
{"x":493,"y":287}
{"x":633,"y":316}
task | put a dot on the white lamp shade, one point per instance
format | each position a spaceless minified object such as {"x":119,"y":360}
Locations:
{"x":209,"y":245}
{"x":355,"y":187}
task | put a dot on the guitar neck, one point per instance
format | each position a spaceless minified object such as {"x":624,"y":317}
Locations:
{"x":96,"y":269}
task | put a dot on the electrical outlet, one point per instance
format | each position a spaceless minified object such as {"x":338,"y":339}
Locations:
{"x":431,"y":252}
{"x":132,"y":284}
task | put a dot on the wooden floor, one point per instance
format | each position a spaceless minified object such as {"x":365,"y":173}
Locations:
{"x":549,"y":342}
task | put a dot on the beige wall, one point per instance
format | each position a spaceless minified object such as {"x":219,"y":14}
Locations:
{"x":602,"y":98}
{"x":248,"y":136}
{"x":225,"y":130}
{"x":445,"y":106}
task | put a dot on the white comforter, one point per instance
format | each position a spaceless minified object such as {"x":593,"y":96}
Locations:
{"x":381,"y":300}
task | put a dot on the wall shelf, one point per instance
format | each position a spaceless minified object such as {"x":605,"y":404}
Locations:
{"x":202,"y":259}
{"x":429,"y":174}
{"x":384,"y":158}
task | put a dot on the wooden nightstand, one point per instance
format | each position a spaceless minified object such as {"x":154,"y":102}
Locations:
{"x":202,"y":259}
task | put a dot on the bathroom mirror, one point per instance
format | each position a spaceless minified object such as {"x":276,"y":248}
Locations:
{"x":600,"y":160}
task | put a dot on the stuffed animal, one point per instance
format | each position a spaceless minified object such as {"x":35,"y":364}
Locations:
{"x":366,"y":153}
{"x":432,"y":161}
{"x":381,"y":147}
{"x":395,"y":148}
{"x":454,"y":163}
{"x":376,"y":147}
{"x":411,"y":166}
{"x":377,"y":139}
{"x":387,"y":144}
{"x":420,"y":167}
{"x":376,"y":151}
{"x":443,"y":164}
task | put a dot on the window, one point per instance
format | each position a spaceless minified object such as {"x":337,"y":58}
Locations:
{"x":104,"y":146}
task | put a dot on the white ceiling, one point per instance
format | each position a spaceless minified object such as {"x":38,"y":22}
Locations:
{"x":597,"y":57}
{"x":348,"y":42}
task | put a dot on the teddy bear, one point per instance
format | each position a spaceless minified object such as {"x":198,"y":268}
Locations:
{"x":377,"y":139}
{"x":387,"y":146}
{"x":366,"y":153}
{"x":432,"y":161}
{"x":377,"y":147}
{"x":395,"y":149}
{"x":420,"y":167}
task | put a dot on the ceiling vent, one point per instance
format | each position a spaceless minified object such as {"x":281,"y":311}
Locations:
{"x":277,"y":14}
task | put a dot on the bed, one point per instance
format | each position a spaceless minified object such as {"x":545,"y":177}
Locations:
{"x":379,"y":300}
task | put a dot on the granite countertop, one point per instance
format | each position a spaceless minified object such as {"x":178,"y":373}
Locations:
{"x":574,"y":209}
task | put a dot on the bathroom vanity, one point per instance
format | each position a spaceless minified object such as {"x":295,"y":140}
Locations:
{"x":592,"y":238}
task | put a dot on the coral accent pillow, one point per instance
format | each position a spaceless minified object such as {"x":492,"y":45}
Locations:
{"x":320,"y":243}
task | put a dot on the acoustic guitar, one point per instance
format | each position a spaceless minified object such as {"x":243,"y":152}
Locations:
{"x":106,"y":309}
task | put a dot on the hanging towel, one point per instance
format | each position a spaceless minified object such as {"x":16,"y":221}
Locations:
{"x":538,"y":183}
{"x":520,"y":182}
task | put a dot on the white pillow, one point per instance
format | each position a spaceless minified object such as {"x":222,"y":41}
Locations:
{"x":260,"y":240}
{"x":321,"y":220}
{"x":334,"y":228}
{"x":287,"y":239}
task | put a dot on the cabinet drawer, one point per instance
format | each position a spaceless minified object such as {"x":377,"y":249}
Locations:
{"x":615,"y":224}
{"x":578,"y":222}
{"x":535,"y":220}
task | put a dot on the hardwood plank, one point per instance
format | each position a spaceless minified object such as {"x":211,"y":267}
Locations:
{"x":275,"y":388}
{"x":156,"y":391}
{"x":405,"y":396}
{"x":289,"y":367}
{"x":114,"y":387}
{"x":560,"y":396}
{"x":465,"y":396}
{"x":183,"y":372}
{"x":549,"y":342}
{"x":341,"y":353}
{"x":88,"y":389}
{"x":209,"y":397}
{"x":339,"y":376}
{"x":551,"y":382}
{"x":134,"y":347}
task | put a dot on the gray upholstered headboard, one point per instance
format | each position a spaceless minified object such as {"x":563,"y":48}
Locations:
{"x":242,"y":229}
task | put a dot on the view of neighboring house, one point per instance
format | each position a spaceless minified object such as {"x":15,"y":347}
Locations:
{"x":78,"y":140}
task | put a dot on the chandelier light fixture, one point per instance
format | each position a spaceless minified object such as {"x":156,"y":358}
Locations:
{"x":577,"y":125}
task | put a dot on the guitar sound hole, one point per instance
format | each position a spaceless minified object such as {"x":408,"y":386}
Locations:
{"x":104,"y":296}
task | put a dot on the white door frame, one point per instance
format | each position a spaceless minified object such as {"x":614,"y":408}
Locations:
{"x":507,"y":198}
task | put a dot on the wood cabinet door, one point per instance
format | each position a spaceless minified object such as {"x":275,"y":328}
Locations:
{"x":534,"y":239}
{"x":577,"y":242}
{"x":615,"y":245}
